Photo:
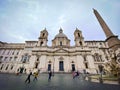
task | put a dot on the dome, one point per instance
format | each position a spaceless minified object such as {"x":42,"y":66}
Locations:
{"x":60,"y":34}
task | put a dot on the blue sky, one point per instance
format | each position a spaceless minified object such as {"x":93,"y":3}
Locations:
{"x":22,"y":20}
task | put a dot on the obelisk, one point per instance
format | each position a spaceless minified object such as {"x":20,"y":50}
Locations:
{"x":113,"y":41}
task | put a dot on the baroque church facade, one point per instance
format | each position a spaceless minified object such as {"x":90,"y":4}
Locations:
{"x":84,"y":56}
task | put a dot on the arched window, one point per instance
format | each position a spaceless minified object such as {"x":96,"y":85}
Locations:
{"x":43,"y":34}
{"x":41,"y":43}
{"x":78,"y":34}
{"x":80,"y":43}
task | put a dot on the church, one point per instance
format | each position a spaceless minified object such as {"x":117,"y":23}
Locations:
{"x":60,"y":57}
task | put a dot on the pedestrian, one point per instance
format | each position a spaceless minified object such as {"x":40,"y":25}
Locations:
{"x":50,"y":74}
{"x":74,"y":74}
{"x":77,"y":74}
{"x":35,"y":75}
{"x":28,"y":78}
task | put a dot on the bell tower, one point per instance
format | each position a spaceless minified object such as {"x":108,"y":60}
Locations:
{"x":42,"y":40}
{"x":113,"y":41}
{"x":79,"y":39}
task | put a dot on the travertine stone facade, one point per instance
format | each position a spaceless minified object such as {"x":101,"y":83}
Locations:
{"x":60,"y":57}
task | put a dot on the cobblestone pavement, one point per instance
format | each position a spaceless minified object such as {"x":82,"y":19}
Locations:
{"x":58,"y":82}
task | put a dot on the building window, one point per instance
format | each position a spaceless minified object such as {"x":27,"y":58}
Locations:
{"x":2,"y":66}
{"x":15,"y":58}
{"x":1,"y":57}
{"x":43,"y":34}
{"x":7,"y":67}
{"x":13,"y":52}
{"x":3,"y":52}
{"x":11,"y":67}
{"x":36,"y":65}
{"x":86,"y":65}
{"x":80,"y":43}
{"x":25,"y":58}
{"x":10,"y":58}
{"x":8,"y":52}
{"x":60,"y":43}
{"x":100,"y":43}
{"x":5,"y":59}
{"x":17,"y":53}
{"x":78,"y":35}
{"x":41,"y":43}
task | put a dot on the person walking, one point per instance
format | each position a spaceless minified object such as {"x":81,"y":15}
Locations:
{"x":74,"y":74}
{"x":28,"y":78}
{"x":35,"y":76}
{"x":50,"y":74}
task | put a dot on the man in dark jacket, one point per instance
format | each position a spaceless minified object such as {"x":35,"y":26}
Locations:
{"x":28,"y":78}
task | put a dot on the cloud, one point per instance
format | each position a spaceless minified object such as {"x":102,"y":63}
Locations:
{"x":24,"y":19}
{"x":61,"y":20}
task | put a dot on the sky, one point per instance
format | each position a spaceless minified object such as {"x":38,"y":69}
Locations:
{"x":22,"y":20}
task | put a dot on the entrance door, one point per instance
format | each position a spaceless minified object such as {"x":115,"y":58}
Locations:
{"x":21,"y":70}
{"x":61,"y":66}
{"x":49,"y":67}
{"x":73,"y":67}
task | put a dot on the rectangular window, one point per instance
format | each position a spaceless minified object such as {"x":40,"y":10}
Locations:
{"x":1,"y":57}
{"x":3,"y":52}
{"x":15,"y":58}
{"x":17,"y":53}
{"x":7,"y":67}
{"x":8,"y":51}
{"x":13,"y":52}
{"x":11,"y":67}
{"x":86,"y":65}
{"x":2,"y":66}
{"x":10,"y":58}
{"x":60,"y":43}
{"x":5,"y":59}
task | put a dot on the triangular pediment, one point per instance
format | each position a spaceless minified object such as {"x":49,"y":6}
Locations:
{"x":61,"y":50}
